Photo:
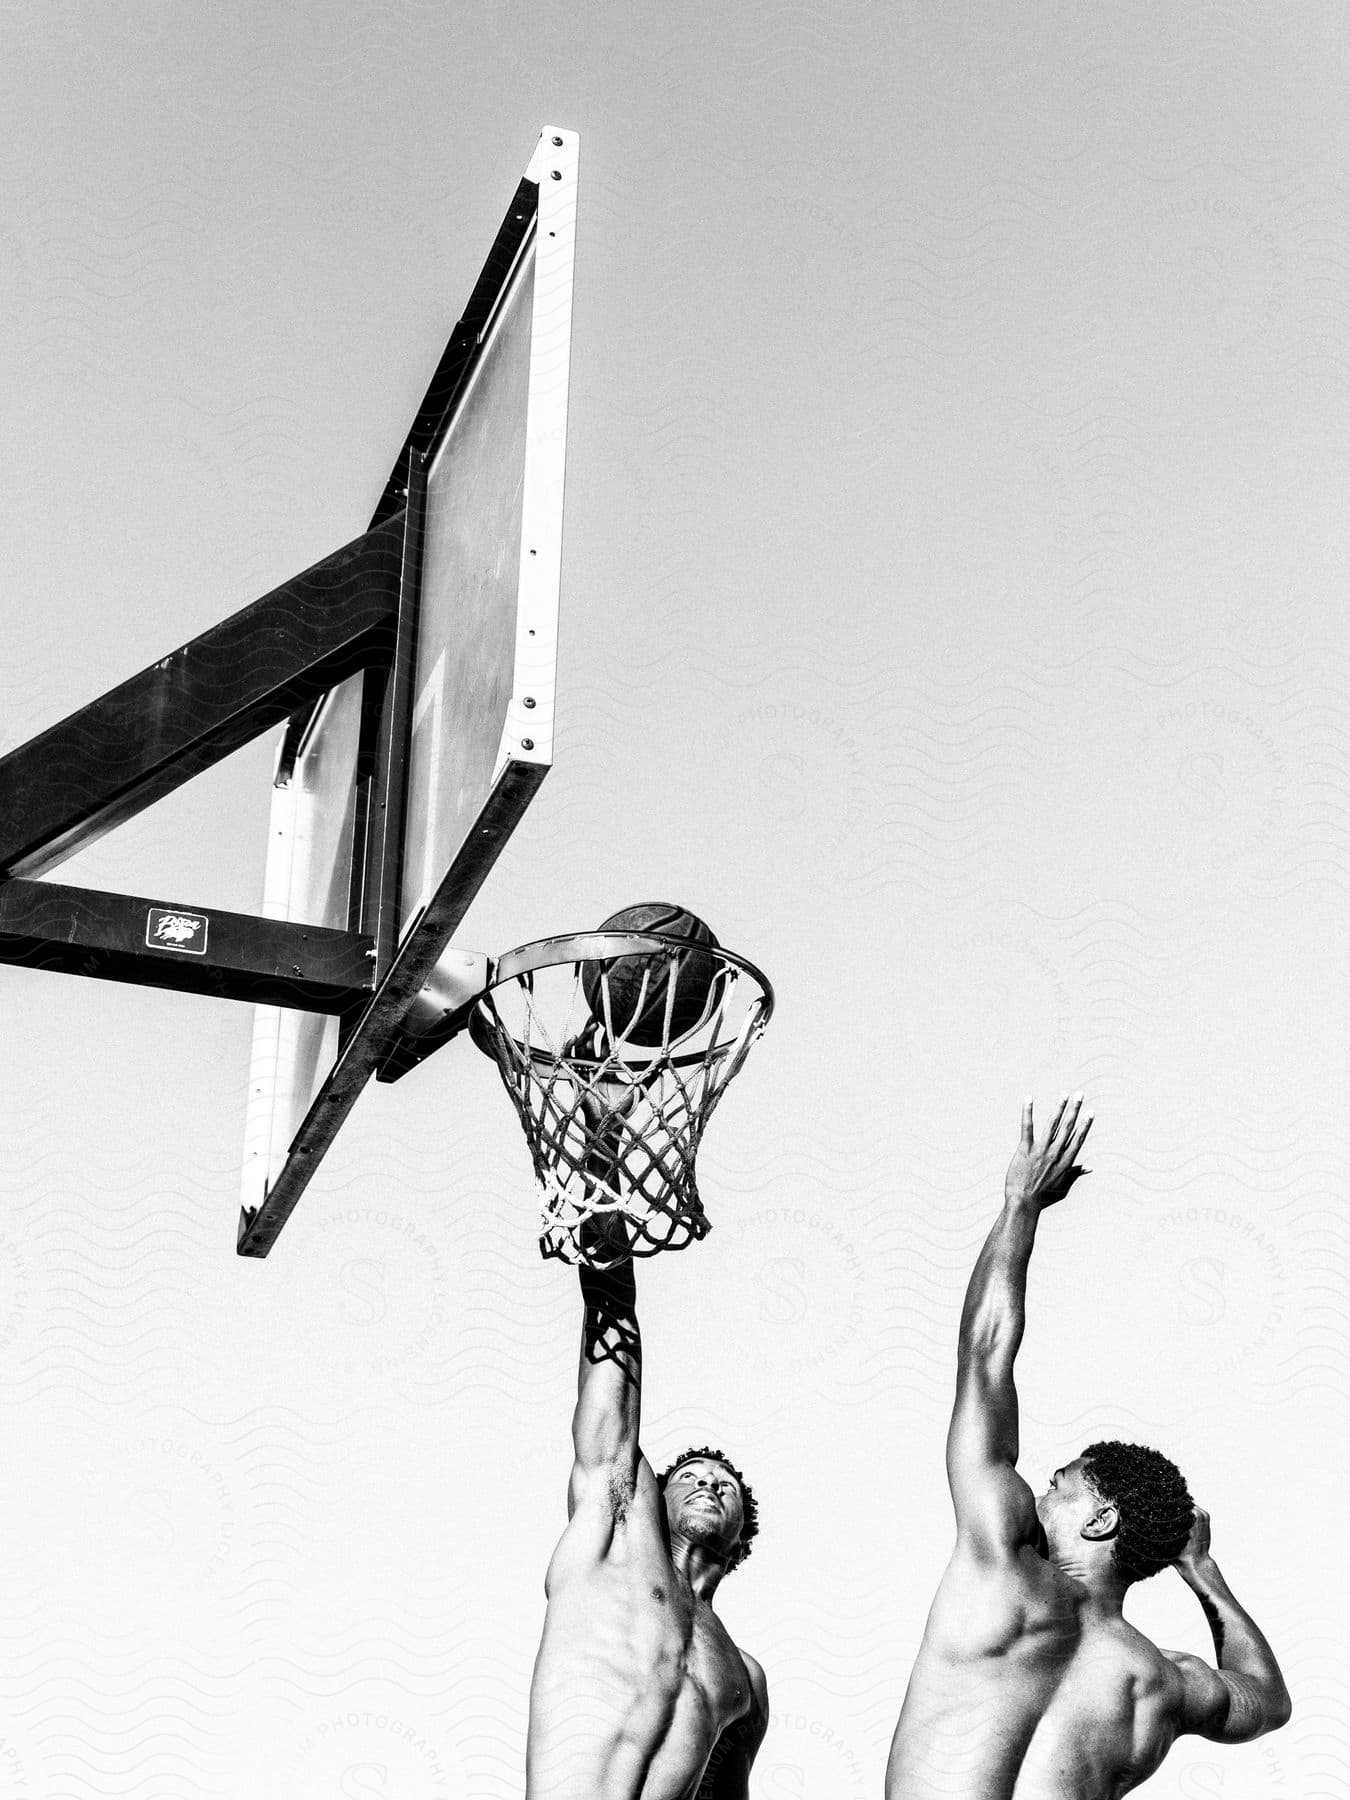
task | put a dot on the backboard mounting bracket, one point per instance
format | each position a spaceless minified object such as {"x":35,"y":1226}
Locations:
{"x":67,"y":787}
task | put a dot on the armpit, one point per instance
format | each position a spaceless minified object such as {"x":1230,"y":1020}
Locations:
{"x":619,"y":1493}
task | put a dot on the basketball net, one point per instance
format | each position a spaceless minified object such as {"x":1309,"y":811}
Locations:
{"x":614,"y":1126}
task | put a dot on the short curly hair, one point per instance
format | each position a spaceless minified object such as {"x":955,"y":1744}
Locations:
{"x":1152,"y":1500}
{"x":749,"y":1507}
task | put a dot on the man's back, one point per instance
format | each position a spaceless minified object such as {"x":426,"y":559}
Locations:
{"x":1113,"y":1718}
{"x":1024,"y":1688}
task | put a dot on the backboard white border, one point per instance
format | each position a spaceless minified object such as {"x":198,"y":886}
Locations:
{"x":530,"y":718}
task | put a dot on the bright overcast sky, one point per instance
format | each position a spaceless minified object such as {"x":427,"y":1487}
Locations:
{"x":953,"y":615}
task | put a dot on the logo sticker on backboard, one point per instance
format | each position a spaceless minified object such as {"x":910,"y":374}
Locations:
{"x":172,"y":930}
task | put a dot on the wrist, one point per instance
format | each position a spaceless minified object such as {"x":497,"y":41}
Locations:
{"x":616,"y":1282}
{"x":1199,"y":1571}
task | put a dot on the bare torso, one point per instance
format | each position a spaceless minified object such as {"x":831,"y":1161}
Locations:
{"x":636,"y":1678}
{"x":1024,"y":1689}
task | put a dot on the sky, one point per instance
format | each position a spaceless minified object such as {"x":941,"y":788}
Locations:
{"x":952,"y":615}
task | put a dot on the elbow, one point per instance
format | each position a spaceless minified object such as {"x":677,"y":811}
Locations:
{"x":1273,"y":1709}
{"x":986,"y":1355}
{"x":990,"y":1336}
{"x":1280,"y":1710}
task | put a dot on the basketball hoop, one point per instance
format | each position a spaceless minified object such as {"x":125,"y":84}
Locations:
{"x":613,"y":1125}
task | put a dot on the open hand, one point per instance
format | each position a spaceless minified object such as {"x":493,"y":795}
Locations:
{"x":1040,"y":1174}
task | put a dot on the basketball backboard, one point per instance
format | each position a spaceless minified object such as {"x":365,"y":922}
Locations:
{"x":394,"y":796}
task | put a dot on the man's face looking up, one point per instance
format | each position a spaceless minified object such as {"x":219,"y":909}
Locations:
{"x":703,"y":1503}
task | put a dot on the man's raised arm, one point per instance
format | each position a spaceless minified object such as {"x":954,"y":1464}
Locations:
{"x":995,"y":1509}
{"x":609,"y":1389}
{"x":1245,"y":1696}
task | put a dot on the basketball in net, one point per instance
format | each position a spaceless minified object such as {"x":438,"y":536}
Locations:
{"x":615,"y":1047}
{"x":648,"y":999}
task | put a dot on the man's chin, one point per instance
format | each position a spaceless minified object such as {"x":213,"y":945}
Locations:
{"x":704,"y":1528}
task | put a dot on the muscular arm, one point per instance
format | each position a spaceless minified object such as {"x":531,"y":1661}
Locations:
{"x":993,"y":1504}
{"x":609,"y":1373}
{"x":609,"y":1389}
{"x":1245,"y":1696}
{"x":995,"y":1510}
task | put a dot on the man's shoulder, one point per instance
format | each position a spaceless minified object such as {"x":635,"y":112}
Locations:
{"x":1193,"y":1686}
{"x":1017,"y":1565}
{"x":1121,"y":1649}
{"x":986,"y":1602}
{"x":615,"y":1511}
{"x":619,"y":1490}
{"x":759,"y":1689}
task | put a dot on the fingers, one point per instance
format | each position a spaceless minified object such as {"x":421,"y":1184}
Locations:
{"x":1066,"y":1121}
{"x":1079,"y":1139}
{"x":1076,"y":1123}
{"x":1062,"y":1145}
{"x":1054,"y":1123}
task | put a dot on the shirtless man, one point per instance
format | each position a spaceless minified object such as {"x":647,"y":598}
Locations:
{"x":1029,"y":1682}
{"x":638,"y":1691}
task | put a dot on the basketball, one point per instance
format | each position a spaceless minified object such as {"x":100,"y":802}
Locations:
{"x":637,"y":1012}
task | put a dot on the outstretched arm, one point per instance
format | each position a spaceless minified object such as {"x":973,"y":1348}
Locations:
{"x":1245,"y":1696}
{"x":995,"y":1510}
{"x":609,"y":1389}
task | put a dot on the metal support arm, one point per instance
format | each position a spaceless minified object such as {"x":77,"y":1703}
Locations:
{"x":65,"y":788}
{"x":196,"y":950}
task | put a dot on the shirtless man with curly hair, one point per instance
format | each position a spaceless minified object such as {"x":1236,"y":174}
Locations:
{"x":1029,"y":1683}
{"x":639,"y":1692}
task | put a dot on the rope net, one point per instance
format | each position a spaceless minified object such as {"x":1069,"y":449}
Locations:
{"x":614,"y":1125}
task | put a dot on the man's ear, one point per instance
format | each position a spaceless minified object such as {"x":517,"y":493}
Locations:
{"x":1100,"y":1525}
